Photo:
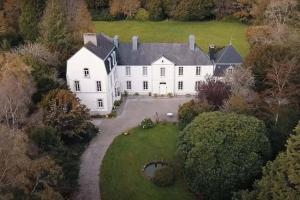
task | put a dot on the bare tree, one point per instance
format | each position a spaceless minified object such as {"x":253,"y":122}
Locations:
{"x":281,"y":85}
{"x":16,"y":88}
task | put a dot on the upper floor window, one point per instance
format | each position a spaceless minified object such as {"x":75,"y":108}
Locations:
{"x":128,"y":71}
{"x":180,"y":71}
{"x":100,"y":103}
{"x":197,"y":84}
{"x":114,"y":58}
{"x":162,"y":71}
{"x":198,"y":71}
{"x":77,"y":86}
{"x":180,"y":85}
{"x":109,"y":63}
{"x":128,"y":85}
{"x":145,"y":71}
{"x":99,"y":86}
{"x":86,"y":73}
{"x":145,"y":85}
{"x":230,"y":70}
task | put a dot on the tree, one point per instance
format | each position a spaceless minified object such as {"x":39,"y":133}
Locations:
{"x":125,"y":7}
{"x":222,"y":153}
{"x":63,"y":111}
{"x":193,"y":9}
{"x":280,"y":178}
{"x":215,"y":92}
{"x":156,"y":12}
{"x":97,"y":4}
{"x":9,"y":17}
{"x":54,"y":28}
{"x":29,"y":19}
{"x":238,"y":104}
{"x":32,"y":179}
{"x":189,"y":110}
{"x":16,"y":88}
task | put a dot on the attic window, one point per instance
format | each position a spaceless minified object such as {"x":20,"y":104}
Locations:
{"x":86,"y":73}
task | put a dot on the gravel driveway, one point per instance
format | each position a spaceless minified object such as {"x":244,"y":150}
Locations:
{"x":133,"y":112}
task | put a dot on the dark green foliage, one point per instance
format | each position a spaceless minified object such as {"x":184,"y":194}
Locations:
{"x":156,"y":12}
{"x":164,"y":176}
{"x":118,"y":103}
{"x":193,"y":10}
{"x":30,"y":16}
{"x":46,"y":138}
{"x":280,"y":177}
{"x":147,"y":123}
{"x":188,"y":111}
{"x":222,"y":153}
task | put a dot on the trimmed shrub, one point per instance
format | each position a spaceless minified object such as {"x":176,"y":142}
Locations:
{"x":164,"y":177}
{"x":117,"y":103}
{"x":222,"y":153}
{"x":147,"y":123}
{"x":142,"y":15}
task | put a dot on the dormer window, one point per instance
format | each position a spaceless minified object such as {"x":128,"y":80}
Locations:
{"x":86,"y":73}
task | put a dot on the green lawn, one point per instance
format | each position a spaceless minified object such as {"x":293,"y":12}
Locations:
{"x":121,"y":172}
{"x":210,"y":32}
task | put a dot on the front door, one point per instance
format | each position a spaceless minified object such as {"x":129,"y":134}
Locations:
{"x":162,"y":88}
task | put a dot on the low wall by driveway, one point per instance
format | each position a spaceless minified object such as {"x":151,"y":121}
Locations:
{"x":132,"y":113}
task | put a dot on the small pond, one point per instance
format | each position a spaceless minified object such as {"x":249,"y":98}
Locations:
{"x":150,"y":168}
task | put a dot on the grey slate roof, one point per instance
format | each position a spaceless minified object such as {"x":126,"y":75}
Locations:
{"x":225,"y":58}
{"x":105,"y":46}
{"x":147,"y":53}
{"x":228,"y":55}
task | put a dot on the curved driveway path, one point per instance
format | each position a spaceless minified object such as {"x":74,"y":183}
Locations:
{"x":133,"y":112}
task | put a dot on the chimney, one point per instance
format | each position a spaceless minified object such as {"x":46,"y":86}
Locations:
{"x":90,"y":37}
{"x":135,"y":41}
{"x":192,"y":42}
{"x":212,"y":51}
{"x":116,"y":41}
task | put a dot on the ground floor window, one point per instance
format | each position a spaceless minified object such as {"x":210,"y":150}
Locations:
{"x":100,"y":103}
{"x":197,"y":84}
{"x":145,"y":85}
{"x":77,"y":86}
{"x":180,"y":85}
{"x":128,"y":85}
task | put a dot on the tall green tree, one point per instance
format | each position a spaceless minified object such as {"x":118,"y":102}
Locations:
{"x":31,"y":12}
{"x":54,"y":27}
{"x":280,"y":177}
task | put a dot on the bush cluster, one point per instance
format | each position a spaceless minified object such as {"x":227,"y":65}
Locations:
{"x":164,"y":177}
{"x":147,"y":123}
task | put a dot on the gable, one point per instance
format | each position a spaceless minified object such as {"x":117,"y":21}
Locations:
{"x":162,"y":61}
{"x":229,"y":55}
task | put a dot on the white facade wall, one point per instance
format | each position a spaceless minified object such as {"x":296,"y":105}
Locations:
{"x":88,"y":93}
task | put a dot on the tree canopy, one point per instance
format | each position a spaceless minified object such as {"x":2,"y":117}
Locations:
{"x":222,"y":153}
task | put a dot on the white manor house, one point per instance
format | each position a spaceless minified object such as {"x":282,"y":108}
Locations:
{"x":105,"y":67}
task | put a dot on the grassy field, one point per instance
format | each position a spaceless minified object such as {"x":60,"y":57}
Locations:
{"x":210,"y":32}
{"x":121,"y":172}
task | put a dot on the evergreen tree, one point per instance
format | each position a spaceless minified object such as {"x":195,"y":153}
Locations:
{"x":54,"y":27}
{"x":156,"y":11}
{"x":29,"y":19}
{"x":281,"y":177}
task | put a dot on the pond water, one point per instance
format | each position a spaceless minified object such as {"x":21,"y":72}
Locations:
{"x":150,"y":168}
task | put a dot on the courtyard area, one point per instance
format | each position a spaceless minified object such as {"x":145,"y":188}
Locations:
{"x":133,"y":111}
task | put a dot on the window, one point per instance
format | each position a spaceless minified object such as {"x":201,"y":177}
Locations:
{"x":180,"y":85}
{"x":77,"y":86}
{"x":197,"y":84}
{"x":128,"y":85}
{"x":162,"y":71}
{"x":230,"y":70}
{"x":128,"y":71}
{"x":99,"y":88}
{"x":180,"y":71}
{"x":109,"y":62}
{"x":145,"y":85}
{"x":100,"y":103}
{"x":198,"y":71}
{"x":145,"y":71}
{"x":86,"y":72}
